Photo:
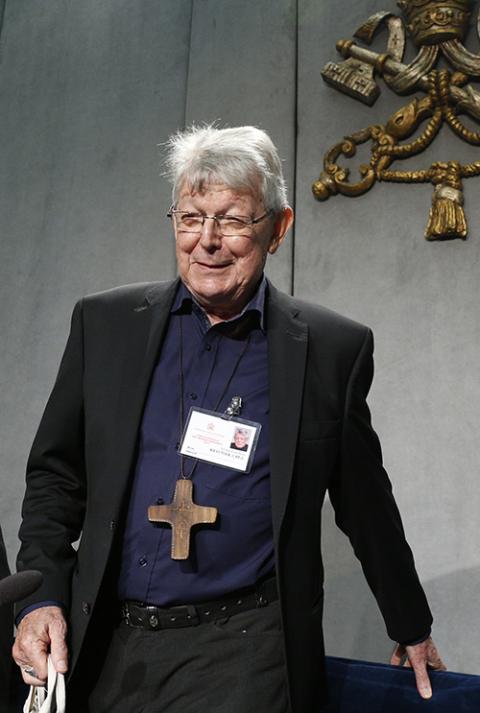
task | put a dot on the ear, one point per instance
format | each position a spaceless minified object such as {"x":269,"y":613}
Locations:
{"x":283,"y":221}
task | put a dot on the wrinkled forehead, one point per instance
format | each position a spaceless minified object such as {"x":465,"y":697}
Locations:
{"x":202,"y":185}
{"x":217,"y":193}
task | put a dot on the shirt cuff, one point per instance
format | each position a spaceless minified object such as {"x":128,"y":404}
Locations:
{"x":38,"y":605}
{"x":417,"y":641}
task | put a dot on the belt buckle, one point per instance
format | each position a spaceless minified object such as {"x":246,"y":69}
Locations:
{"x":153,"y":617}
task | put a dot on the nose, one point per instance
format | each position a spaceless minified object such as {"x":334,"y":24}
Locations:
{"x":210,"y":237}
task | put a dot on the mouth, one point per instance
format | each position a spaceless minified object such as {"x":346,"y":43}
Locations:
{"x":212,"y":266}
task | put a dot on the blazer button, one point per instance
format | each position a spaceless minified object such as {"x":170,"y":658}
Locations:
{"x":86,"y":608}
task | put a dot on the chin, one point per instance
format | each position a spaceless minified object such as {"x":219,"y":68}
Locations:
{"x":213,"y":299}
{"x":205,"y":289}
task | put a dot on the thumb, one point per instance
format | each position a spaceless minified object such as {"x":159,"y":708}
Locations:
{"x":58,"y":647}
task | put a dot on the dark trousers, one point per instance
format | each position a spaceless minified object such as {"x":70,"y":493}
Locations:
{"x":231,"y":665}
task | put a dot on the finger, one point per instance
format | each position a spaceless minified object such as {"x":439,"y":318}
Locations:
{"x":31,"y":657}
{"x":437,"y":665}
{"x":38,"y":661}
{"x":397,"y":656}
{"x":58,"y":647}
{"x":421,"y":676}
{"x":30,"y":677}
{"x":28,"y":671}
{"x":433,"y":658}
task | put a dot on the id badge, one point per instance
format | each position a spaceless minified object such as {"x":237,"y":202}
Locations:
{"x":228,"y":442}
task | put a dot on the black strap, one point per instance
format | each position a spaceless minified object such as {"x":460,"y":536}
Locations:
{"x":182,"y":395}
{"x":145,"y":616}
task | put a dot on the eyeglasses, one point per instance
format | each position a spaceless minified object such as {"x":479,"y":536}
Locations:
{"x":227,"y":225}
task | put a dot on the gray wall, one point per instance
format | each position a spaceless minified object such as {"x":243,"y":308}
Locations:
{"x":87,"y":91}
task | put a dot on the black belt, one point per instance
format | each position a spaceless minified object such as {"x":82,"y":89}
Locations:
{"x":146,"y":616}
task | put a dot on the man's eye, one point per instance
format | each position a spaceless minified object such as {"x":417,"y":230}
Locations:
{"x":231,"y":221}
{"x":191,"y":220}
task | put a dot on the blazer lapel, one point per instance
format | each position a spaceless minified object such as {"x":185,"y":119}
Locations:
{"x":147,"y":324}
{"x":287,"y":351}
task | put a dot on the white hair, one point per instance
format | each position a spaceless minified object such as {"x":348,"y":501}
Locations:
{"x":242,"y":158}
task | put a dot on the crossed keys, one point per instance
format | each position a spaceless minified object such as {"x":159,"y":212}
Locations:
{"x":437,"y":28}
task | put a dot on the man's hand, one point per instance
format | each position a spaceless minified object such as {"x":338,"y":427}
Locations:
{"x":41,"y":632}
{"x":419,"y":657}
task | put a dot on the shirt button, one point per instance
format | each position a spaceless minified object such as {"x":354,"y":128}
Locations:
{"x":193,"y":396}
{"x":142,"y":561}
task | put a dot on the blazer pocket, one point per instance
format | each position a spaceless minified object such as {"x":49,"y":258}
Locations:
{"x":318,"y":430}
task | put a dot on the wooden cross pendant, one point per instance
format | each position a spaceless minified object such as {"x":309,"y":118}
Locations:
{"x":182,"y":514}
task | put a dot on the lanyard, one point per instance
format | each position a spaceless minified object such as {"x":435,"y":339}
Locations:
{"x":182,"y":393}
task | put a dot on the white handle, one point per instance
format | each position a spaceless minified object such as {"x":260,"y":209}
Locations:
{"x":40,"y":700}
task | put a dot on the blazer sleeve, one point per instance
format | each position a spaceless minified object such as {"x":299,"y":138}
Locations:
{"x":54,"y":504}
{"x":365,"y":509}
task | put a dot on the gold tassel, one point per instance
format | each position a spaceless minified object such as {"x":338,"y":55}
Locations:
{"x":447,"y":217}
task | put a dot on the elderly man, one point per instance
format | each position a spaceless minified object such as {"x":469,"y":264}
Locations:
{"x":198,"y":579}
{"x":240,"y":439}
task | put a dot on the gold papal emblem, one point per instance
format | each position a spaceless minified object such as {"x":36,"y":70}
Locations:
{"x":436,"y":27}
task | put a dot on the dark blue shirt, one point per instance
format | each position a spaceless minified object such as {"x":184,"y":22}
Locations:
{"x":238,"y":549}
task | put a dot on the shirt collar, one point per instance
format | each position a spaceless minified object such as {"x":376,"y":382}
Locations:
{"x":184,"y":298}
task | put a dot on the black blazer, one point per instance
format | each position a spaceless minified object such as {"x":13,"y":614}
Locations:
{"x":79,"y":470}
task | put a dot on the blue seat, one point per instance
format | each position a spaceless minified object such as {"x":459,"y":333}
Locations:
{"x":363,"y":687}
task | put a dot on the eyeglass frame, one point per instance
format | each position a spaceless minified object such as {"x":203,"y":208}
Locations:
{"x":172,"y":211}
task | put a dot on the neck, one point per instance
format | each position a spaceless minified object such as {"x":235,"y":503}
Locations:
{"x":221,"y":315}
{"x":221,"y":312}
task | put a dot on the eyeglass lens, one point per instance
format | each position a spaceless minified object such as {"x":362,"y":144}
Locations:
{"x":225,"y":224}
